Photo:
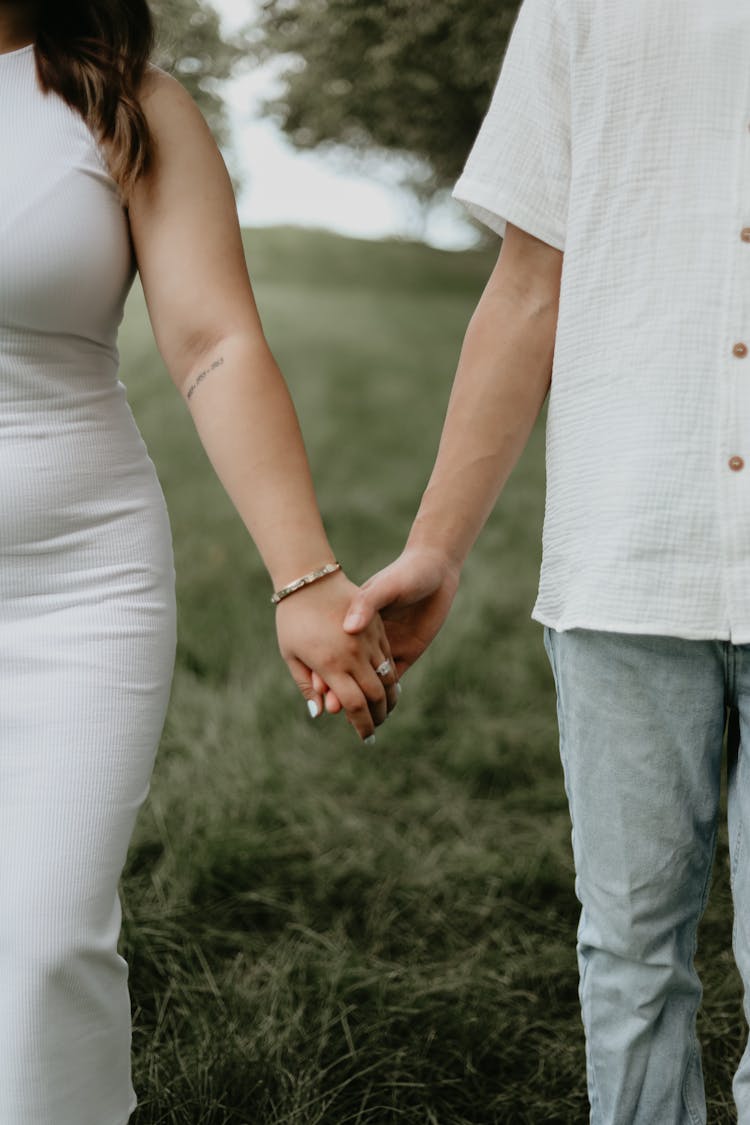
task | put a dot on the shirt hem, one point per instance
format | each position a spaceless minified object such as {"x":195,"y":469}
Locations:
{"x":740,"y":636}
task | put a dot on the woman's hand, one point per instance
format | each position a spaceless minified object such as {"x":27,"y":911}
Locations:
{"x":413,"y":595}
{"x":312,"y":640}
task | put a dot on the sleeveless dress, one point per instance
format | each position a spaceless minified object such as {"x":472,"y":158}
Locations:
{"x":87,"y":616}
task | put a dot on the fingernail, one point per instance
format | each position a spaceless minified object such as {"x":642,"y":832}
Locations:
{"x":353,"y":621}
{"x":369,"y":741}
{"x":398,"y":689}
{"x":313,"y":708}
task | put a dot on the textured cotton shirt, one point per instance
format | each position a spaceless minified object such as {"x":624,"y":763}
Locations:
{"x":620,"y":134}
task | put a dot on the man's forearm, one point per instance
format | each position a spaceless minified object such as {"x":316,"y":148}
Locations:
{"x":502,"y":380}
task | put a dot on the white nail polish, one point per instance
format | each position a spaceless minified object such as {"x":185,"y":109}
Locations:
{"x":312,"y":707}
{"x":370,"y":741}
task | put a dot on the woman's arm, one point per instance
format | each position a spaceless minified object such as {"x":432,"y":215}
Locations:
{"x":190,"y":257}
{"x":501,"y":383}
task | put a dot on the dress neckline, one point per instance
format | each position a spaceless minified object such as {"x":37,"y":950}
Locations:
{"x":18,"y":51}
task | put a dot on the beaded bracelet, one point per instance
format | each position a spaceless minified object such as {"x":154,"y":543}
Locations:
{"x":305,"y":580}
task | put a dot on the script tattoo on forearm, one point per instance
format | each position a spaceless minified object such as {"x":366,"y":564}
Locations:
{"x":203,"y":375}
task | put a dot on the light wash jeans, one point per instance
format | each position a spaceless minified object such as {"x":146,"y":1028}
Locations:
{"x":641,"y":727}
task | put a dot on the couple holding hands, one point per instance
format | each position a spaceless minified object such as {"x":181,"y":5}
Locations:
{"x":618,"y":139}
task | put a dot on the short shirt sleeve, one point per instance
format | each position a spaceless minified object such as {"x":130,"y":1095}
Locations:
{"x":519,"y":168}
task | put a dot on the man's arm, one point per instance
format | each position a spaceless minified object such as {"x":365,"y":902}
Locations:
{"x":502,"y":380}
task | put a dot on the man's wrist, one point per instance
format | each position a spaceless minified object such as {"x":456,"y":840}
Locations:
{"x":425,"y":541}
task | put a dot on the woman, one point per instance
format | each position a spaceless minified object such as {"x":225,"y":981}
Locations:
{"x":108,"y":166}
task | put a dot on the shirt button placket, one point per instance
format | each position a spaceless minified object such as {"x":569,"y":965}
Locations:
{"x":734,"y":405}
{"x":737,"y":463}
{"x":740,"y":351}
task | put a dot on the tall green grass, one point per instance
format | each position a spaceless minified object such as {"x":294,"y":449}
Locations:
{"x":319,"y":932}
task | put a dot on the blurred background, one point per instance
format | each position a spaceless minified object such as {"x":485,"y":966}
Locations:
{"x":320,"y":934}
{"x":355,"y":117}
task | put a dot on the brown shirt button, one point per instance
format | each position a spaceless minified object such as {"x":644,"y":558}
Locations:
{"x":740,"y":350}
{"x":736,"y":464}
{"x":745,"y":234}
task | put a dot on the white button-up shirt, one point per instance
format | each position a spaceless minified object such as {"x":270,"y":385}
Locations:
{"x":620,"y":133}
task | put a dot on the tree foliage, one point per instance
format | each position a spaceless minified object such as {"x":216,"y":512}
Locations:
{"x":191,"y":46}
{"x":413,"y":76}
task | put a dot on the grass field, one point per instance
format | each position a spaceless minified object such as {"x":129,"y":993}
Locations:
{"x":322,"y":933}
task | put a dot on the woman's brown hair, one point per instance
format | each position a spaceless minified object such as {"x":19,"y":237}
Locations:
{"x":93,"y":53}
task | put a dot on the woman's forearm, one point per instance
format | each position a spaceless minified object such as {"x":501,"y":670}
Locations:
{"x":501,"y":383}
{"x":246,"y":421}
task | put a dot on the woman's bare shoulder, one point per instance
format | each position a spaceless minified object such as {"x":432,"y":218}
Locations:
{"x":166,"y":103}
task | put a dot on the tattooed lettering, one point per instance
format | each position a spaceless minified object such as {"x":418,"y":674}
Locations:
{"x":203,"y":375}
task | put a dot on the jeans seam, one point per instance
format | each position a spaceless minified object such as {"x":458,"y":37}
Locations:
{"x":736,"y":852}
{"x":730,"y":673}
{"x":687,"y":1101}
{"x":693,"y":1113}
{"x":737,"y":848}
{"x":593,"y":1090}
{"x":735,"y":857}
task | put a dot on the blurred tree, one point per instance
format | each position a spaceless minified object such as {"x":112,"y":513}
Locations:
{"x":191,"y":46}
{"x":413,"y":76}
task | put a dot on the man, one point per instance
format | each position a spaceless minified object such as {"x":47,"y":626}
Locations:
{"x":615,"y":161}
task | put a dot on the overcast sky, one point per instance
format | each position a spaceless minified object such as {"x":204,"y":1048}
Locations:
{"x":283,"y":185}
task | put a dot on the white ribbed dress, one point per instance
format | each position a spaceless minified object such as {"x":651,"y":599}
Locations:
{"x":87,"y":619}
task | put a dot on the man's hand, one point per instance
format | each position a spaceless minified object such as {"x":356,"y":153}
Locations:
{"x":413,"y":596}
